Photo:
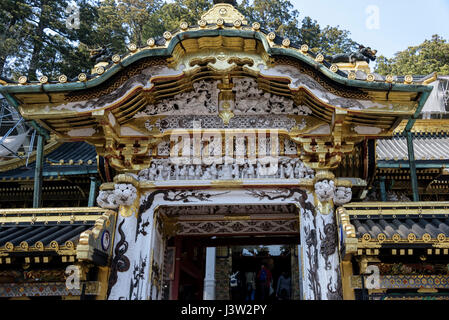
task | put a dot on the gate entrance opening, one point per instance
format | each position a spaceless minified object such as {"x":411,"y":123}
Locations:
{"x":237,"y":268}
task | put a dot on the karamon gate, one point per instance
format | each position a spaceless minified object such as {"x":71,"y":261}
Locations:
{"x":225,"y":130}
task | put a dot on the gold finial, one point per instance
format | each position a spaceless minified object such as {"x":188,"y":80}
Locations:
{"x":167,"y":35}
{"x":116,"y":58}
{"x":389,"y":78}
{"x":408,"y":79}
{"x":220,"y":22}
{"x":184,"y":26}
{"x":286,"y":43}
{"x":151,"y":42}
{"x":226,"y":114}
{"x":304,"y":48}
{"x":82,"y":77}
{"x":99,"y":70}
{"x":334,"y":68}
{"x":271,"y":36}
{"x":132,"y":47}
{"x":256,"y":26}
{"x":62,"y":78}
{"x":43,"y":79}
{"x":319,"y":58}
{"x":202,"y":23}
{"x":237,"y":23}
{"x":352,"y":75}
{"x":23,"y":80}
{"x":370,"y":77}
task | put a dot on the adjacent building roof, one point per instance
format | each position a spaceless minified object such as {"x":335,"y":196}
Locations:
{"x":426,"y":148}
{"x":82,"y":232}
{"x":395,"y":224}
{"x":72,"y":158}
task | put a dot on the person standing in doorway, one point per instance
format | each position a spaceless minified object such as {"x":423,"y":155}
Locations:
{"x":283,"y":290}
{"x":250,"y":278}
{"x":264,"y":281}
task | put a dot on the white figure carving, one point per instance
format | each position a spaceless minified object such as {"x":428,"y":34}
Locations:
{"x":325,"y":190}
{"x":182,"y":173}
{"x":191,"y":172}
{"x":213,"y":171}
{"x":144,"y":174}
{"x":244,"y":173}
{"x":125,"y":194}
{"x":236,"y":171}
{"x":250,"y":172}
{"x":342,"y":196}
{"x":198,"y":172}
{"x":160,"y":170}
{"x":107,"y":200}
{"x":289,"y":171}
{"x":207,"y":175}
{"x":226,"y":172}
{"x":177,"y":172}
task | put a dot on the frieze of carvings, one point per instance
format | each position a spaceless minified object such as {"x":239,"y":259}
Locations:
{"x":324,"y":82}
{"x":140,"y":80}
{"x":301,"y":80}
{"x":287,"y":168}
{"x":250,"y":99}
{"x":215,"y":122}
{"x":238,"y":227}
{"x":116,"y":81}
{"x":202,"y":100}
{"x":228,"y":210}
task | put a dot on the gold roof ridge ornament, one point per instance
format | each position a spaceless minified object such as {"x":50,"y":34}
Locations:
{"x":225,"y":11}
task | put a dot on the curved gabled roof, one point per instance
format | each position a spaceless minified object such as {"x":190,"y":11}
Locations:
{"x":214,"y":24}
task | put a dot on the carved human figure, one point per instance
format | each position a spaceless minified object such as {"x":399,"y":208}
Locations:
{"x":289,"y":172}
{"x":191,"y":173}
{"x":182,"y":172}
{"x":213,"y":171}
{"x":282,"y":170}
{"x":153,"y":172}
{"x":226,"y":172}
{"x":207,"y":174}
{"x":250,"y":171}
{"x":244,"y":173}
{"x":176,"y":172}
{"x":160,"y":172}
{"x":236,"y":171}
{"x":144,"y":174}
{"x":198,"y":172}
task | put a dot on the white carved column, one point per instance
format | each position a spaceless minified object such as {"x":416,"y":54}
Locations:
{"x":209,"y":280}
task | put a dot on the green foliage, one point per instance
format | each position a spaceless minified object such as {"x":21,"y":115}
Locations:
{"x":428,"y":57}
{"x":34,"y":39}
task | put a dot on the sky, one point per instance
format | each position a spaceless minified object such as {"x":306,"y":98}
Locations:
{"x":388,"y":26}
